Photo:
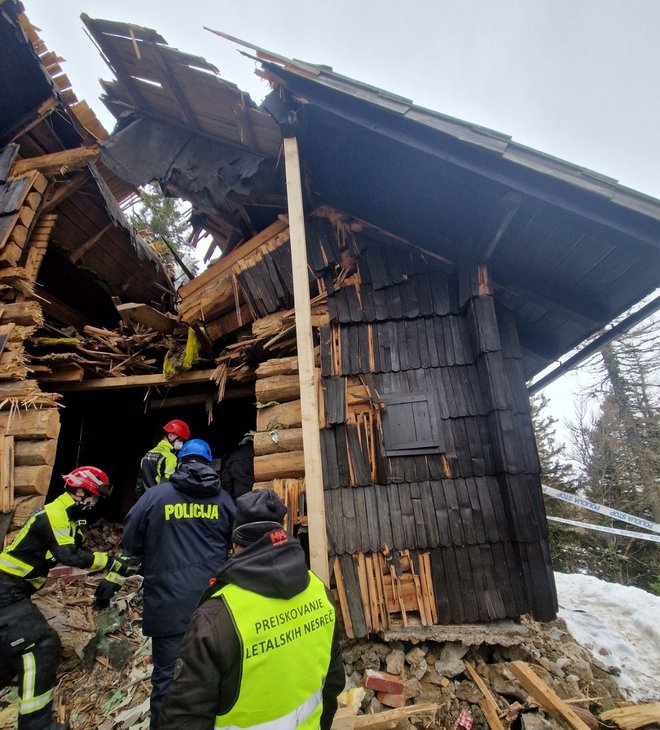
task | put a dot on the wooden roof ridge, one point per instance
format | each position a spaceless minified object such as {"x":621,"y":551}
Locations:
{"x":467,"y":132}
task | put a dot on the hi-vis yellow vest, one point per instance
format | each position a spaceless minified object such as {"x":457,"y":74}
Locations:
{"x":286,"y":646}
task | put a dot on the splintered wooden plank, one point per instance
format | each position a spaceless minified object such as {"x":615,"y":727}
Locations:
{"x":146,"y":315}
{"x":544,"y":695}
{"x":630,"y":718}
{"x":23,"y":313}
{"x":352,"y":590}
{"x":490,"y":705}
{"x":6,"y":473}
{"x":217,"y":269}
{"x":390,"y":718}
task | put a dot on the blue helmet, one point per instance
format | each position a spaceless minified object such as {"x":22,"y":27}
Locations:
{"x":195,"y":447}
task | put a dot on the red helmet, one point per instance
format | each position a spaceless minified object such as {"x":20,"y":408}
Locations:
{"x":179,"y":428}
{"x":91,"y":478}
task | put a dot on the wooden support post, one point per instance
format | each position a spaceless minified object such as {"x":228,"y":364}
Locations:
{"x":318,"y":540}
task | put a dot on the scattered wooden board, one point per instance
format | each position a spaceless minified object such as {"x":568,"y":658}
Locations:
{"x":489,"y":706}
{"x":634,"y":716}
{"x":392,"y":717}
{"x":545,"y":696}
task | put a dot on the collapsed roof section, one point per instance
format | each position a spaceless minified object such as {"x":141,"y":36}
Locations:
{"x":200,"y":137}
{"x":568,"y":250}
{"x":93,"y":252}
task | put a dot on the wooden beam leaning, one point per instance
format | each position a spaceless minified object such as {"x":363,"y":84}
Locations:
{"x":63,"y":190}
{"x":89,"y":243}
{"x":57,"y":162}
{"x":490,"y":707}
{"x":318,"y":539}
{"x":506,"y":210}
{"x":544,"y":695}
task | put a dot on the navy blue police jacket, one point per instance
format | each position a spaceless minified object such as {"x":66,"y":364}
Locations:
{"x":181,"y":529}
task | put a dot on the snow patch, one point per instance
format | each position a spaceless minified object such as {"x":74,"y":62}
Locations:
{"x":620,"y":625}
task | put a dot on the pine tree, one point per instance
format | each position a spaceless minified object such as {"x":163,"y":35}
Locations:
{"x":566,"y":544}
{"x":157,"y":219}
{"x":619,"y":452}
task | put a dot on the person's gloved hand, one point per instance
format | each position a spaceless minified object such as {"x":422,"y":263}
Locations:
{"x":125,"y":565}
{"x":105,"y":590}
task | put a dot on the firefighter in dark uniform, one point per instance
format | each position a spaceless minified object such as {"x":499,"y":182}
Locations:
{"x":29,"y":647}
{"x":159,"y":463}
{"x":182,"y":533}
{"x":262,"y":650}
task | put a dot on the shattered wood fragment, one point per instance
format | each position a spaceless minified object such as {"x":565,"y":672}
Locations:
{"x":391,"y":717}
{"x":544,"y":695}
{"x":630,"y":718}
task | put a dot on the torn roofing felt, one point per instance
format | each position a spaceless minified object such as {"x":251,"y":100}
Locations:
{"x":206,"y":170}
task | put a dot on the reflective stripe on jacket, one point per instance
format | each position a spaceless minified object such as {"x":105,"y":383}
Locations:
{"x":157,"y":466}
{"x":48,"y":537}
{"x":278,"y":637}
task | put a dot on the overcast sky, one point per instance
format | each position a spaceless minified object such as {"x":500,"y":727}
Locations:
{"x":577,"y":79}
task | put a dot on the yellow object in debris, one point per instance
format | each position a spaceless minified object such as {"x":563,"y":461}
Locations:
{"x":180,"y":360}
{"x":352,"y":697}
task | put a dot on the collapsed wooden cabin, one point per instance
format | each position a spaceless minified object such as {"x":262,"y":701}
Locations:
{"x":65,"y":251}
{"x":390,"y":280}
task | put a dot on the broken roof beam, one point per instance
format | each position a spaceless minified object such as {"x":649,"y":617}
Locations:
{"x":57,"y":163}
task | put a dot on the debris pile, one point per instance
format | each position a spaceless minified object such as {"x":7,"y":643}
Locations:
{"x":491,"y":680}
{"x":68,"y":354}
{"x":497,"y":675}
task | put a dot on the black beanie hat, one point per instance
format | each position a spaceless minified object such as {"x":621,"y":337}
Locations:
{"x":257,"y":513}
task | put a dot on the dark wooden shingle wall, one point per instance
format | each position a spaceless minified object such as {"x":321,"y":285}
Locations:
{"x":396,"y":327}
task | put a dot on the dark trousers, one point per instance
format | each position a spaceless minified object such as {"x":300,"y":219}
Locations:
{"x":165,"y":650}
{"x":31,"y":649}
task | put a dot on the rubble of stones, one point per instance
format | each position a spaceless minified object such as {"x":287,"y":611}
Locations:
{"x":435,"y":672}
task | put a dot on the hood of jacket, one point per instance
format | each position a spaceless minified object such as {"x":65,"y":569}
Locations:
{"x":196,"y":479}
{"x":274,"y":568}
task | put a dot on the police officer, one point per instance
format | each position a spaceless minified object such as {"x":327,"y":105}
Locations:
{"x":262,"y":650}
{"x":159,"y":463}
{"x":29,"y":647}
{"x":182,"y":533}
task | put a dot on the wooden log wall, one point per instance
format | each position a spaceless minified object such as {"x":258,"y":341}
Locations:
{"x":29,"y":420}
